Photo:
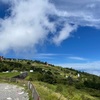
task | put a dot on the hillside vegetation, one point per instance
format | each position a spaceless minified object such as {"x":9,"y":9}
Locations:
{"x":54,"y":81}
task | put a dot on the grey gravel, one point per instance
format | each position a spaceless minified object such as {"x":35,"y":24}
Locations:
{"x":12,"y":92}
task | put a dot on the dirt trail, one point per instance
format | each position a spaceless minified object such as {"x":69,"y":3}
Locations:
{"x":12,"y":92}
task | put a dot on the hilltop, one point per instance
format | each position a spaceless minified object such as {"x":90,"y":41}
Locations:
{"x":54,"y":81}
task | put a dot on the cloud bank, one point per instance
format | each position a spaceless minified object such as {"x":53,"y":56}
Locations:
{"x":29,"y":24}
{"x":90,"y":67}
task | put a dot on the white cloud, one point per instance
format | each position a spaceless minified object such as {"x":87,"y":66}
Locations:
{"x":77,"y":58}
{"x":80,"y":12}
{"x":44,"y":56}
{"x":53,"y":54}
{"x":29,"y":25}
{"x":48,"y":55}
{"x":91,"y":67}
{"x":64,"y":33}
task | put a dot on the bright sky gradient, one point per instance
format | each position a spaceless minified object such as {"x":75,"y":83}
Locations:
{"x":61,"y":32}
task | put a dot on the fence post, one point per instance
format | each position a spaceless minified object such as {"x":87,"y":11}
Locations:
{"x":38,"y":98}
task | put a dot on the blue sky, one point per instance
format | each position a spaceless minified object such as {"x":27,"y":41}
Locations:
{"x":61,"y":32}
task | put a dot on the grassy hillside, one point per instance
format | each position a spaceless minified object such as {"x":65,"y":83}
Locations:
{"x":8,"y":75}
{"x":54,"y":81}
{"x":62,"y":92}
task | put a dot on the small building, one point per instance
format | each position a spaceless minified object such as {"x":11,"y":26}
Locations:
{"x":78,"y":75}
{"x":31,"y":71}
{"x":1,"y":58}
{"x":46,"y":64}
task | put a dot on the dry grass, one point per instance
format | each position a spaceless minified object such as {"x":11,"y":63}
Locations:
{"x":48,"y":94}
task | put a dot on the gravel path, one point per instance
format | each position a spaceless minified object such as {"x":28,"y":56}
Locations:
{"x":12,"y":92}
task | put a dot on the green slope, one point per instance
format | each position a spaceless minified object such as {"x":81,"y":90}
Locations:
{"x":54,"y":81}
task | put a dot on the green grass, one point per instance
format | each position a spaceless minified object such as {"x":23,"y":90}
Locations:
{"x":9,"y":75}
{"x":61,"y":86}
{"x":48,"y":91}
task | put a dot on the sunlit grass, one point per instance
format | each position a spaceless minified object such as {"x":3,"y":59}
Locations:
{"x":9,"y":74}
{"x":48,"y":92}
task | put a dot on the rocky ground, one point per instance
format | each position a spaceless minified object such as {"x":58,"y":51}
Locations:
{"x":12,"y":92}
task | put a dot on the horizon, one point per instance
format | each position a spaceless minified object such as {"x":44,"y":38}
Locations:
{"x":63,"y":66}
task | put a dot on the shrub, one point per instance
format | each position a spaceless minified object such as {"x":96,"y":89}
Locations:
{"x":79,"y":85}
{"x":59,"y":88}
